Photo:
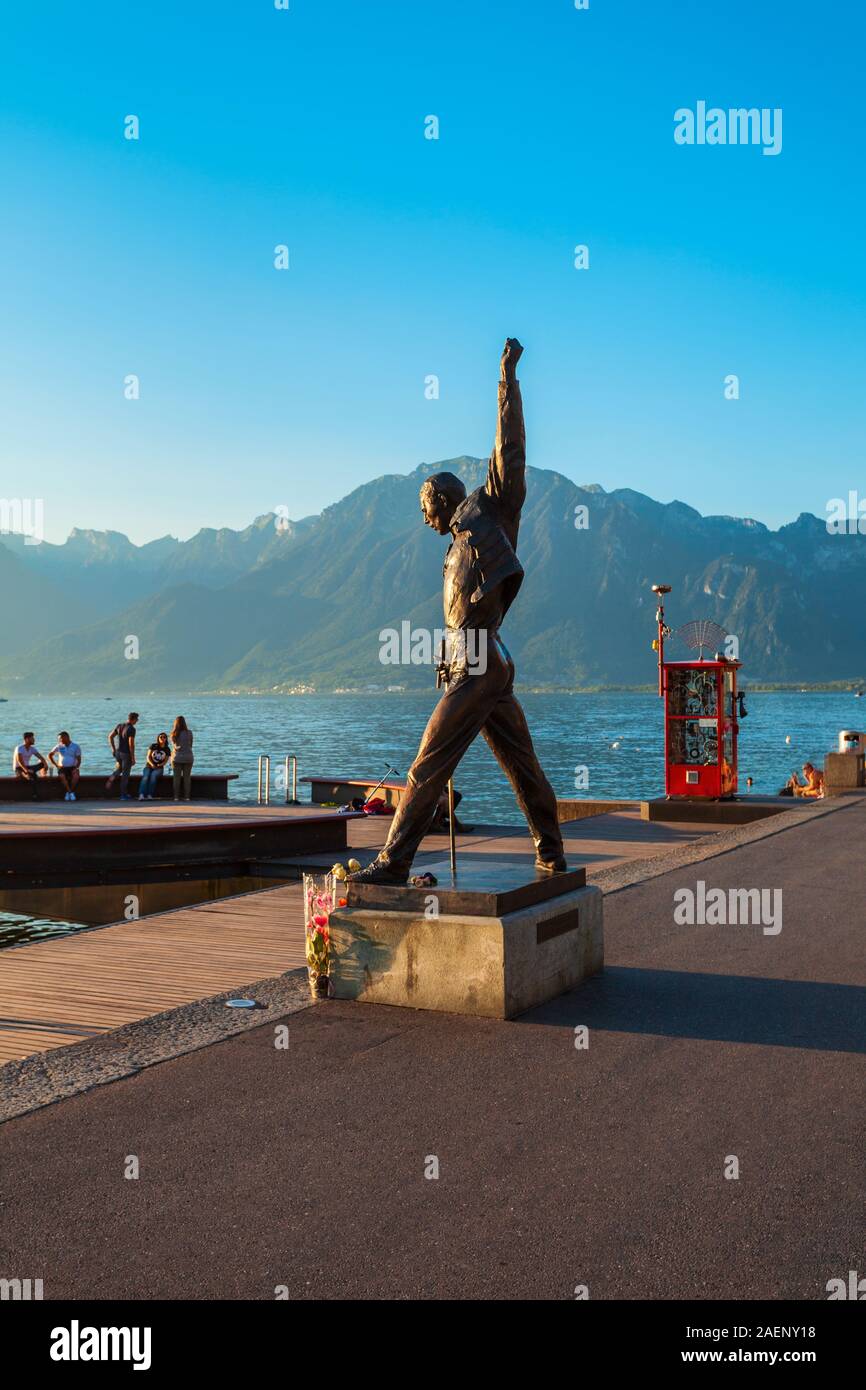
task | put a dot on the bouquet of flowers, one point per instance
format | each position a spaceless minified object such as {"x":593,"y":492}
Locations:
{"x":322,"y":893}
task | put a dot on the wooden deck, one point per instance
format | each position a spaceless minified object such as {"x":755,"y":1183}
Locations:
{"x":60,"y":991}
{"x":98,"y":817}
{"x":65,"y":844}
{"x":74,"y":987}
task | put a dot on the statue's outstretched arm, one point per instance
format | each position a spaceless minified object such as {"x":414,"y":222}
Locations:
{"x":506,"y":473}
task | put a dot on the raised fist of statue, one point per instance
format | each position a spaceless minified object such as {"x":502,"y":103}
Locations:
{"x":511,"y":355}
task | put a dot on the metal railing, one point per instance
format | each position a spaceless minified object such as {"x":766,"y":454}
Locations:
{"x":290,"y":778}
{"x":293,"y":799}
{"x":264,"y":779}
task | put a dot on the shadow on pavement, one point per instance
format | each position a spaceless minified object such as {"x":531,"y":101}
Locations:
{"x":716,"y":1008}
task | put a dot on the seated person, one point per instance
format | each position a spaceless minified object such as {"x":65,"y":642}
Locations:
{"x":28,"y":763}
{"x":158,"y":755}
{"x":813,"y":785}
{"x":66,"y":757}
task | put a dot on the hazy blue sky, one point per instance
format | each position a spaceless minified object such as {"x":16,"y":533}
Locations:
{"x":410,"y":256}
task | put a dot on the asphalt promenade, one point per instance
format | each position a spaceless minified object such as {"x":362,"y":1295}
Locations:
{"x":310,"y":1166}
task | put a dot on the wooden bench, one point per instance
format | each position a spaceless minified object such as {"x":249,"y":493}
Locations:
{"x":206,"y":786}
{"x":341,"y":790}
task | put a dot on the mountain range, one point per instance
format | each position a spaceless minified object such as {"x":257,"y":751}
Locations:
{"x":284,"y":604}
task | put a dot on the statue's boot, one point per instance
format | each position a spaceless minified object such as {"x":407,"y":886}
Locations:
{"x":381,"y":872}
{"x":552,"y":866}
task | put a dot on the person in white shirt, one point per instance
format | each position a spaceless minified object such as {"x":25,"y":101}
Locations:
{"x":66,"y":757}
{"x":28,"y":763}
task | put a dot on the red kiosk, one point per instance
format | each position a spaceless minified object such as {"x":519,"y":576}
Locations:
{"x":702,"y":707}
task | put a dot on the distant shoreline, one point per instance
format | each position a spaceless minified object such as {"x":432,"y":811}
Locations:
{"x":847,"y":687}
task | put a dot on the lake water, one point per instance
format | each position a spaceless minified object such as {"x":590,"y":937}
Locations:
{"x":618,"y":738}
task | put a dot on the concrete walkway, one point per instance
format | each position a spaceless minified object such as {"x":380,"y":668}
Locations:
{"x":305,"y":1167}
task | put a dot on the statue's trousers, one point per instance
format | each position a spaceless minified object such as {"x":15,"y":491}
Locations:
{"x":475,"y":701}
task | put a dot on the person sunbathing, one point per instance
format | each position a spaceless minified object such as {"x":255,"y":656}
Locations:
{"x":813,"y":785}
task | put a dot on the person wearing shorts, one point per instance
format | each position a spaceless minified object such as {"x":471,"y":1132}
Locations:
{"x":66,"y":757}
{"x":28,"y":763}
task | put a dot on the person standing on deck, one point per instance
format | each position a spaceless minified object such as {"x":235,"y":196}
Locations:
{"x":181,"y":758}
{"x":482,"y":576}
{"x":122,"y":743}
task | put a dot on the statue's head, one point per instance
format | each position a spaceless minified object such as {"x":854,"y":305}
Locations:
{"x":441,"y":495}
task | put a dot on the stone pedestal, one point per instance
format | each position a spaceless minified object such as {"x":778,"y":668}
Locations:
{"x":493,"y":944}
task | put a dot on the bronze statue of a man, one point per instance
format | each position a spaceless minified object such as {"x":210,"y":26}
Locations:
{"x":482,"y":577}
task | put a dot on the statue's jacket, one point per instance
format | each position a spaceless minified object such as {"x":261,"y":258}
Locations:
{"x":482,"y":572}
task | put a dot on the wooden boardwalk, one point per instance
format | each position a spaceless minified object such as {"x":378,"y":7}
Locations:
{"x":60,"y":991}
{"x":65,"y":845}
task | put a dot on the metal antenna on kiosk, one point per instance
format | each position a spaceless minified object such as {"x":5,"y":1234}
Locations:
{"x":701,"y":633}
{"x":663,"y":631}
